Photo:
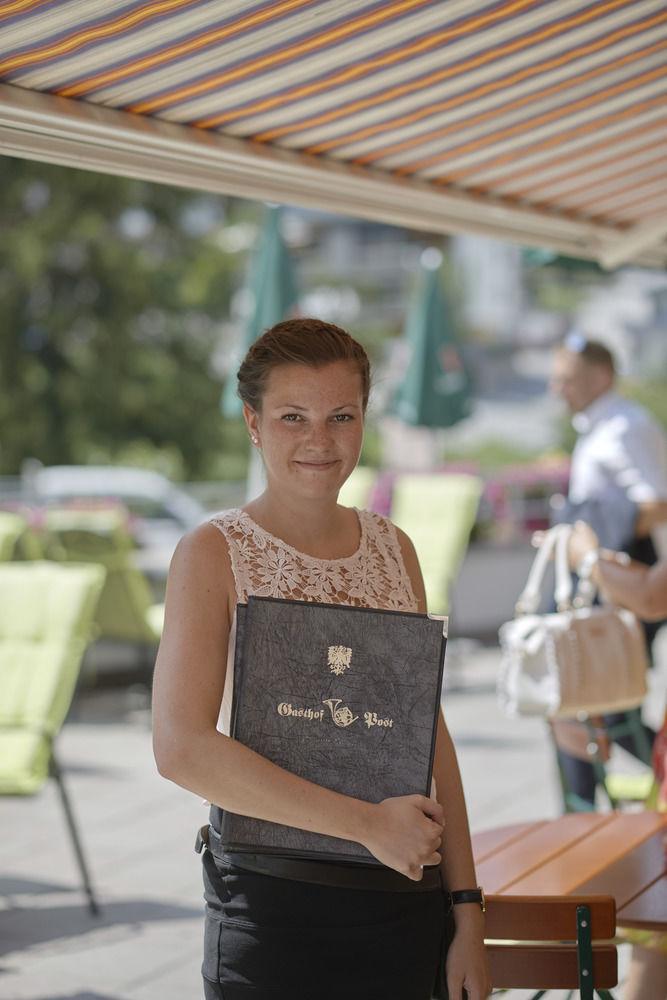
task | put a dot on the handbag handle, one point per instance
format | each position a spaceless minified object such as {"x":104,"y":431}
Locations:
{"x":555,"y":542}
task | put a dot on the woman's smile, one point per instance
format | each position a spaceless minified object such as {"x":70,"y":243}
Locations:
{"x":317,"y":466}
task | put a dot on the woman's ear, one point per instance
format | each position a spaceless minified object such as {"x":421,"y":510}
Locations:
{"x":252,"y":423}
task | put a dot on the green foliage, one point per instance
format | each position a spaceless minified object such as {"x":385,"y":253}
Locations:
{"x":371,"y":451}
{"x":567,"y":436}
{"x":492,"y":455}
{"x":649,"y":393}
{"x":231,"y":462}
{"x":110,"y":305}
{"x":558,"y":290}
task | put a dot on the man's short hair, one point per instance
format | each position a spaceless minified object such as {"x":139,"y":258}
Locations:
{"x":594,"y":352}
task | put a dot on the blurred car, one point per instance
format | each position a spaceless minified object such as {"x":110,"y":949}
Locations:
{"x":160,"y":512}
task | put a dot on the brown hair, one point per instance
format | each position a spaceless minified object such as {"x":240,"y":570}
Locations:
{"x":302,"y":341}
{"x":594,"y":352}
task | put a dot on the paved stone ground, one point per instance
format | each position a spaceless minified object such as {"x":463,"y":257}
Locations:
{"x":139,"y":830}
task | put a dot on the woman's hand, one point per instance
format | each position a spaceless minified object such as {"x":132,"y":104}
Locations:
{"x":582,"y":540}
{"x":405,"y":834}
{"x":467,"y":965}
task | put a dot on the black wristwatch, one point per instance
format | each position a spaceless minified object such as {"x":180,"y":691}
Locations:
{"x":469,"y":896}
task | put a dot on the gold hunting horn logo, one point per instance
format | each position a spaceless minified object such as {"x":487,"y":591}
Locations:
{"x":342,"y":716}
{"x":339,"y":658}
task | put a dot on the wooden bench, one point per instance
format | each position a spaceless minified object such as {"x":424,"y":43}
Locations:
{"x":552,"y":942}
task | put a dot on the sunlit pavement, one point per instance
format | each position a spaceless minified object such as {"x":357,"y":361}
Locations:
{"x":139,"y":830}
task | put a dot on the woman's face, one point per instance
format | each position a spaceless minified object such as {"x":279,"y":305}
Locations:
{"x":310,"y":428}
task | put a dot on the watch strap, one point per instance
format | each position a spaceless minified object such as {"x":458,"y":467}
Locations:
{"x":469,"y":896}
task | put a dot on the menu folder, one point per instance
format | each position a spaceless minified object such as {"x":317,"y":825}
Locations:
{"x":346,"y":697}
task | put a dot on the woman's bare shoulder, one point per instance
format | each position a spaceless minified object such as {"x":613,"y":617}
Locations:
{"x":412,"y":567}
{"x":201,"y":561}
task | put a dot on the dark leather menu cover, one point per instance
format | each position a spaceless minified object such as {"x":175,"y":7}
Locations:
{"x":345,"y":697}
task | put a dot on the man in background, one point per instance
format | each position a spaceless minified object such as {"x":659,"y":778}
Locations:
{"x":620,"y":458}
{"x":618,"y":480}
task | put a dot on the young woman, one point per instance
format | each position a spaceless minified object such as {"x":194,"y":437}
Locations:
{"x":317,"y":933}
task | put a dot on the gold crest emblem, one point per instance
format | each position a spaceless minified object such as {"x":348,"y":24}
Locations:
{"x":339,"y":659}
{"x":342,"y":717}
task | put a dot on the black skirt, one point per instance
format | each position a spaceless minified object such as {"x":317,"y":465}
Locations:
{"x":268,"y":938}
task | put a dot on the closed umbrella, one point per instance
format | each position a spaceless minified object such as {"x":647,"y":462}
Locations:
{"x":274,"y":297}
{"x":273,"y":292}
{"x":436,"y":389}
{"x":535,"y":257}
{"x":436,"y":511}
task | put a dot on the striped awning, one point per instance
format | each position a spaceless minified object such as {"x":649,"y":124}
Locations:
{"x":543,"y":123}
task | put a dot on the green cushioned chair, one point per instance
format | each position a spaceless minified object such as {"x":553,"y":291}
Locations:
{"x":438,"y":513}
{"x":126,"y":610}
{"x":46,"y":620}
{"x":12,"y":526}
{"x":356,"y":490}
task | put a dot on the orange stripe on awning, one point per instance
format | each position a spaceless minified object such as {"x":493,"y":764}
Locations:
{"x":351,"y":73}
{"x":617,"y":175}
{"x":610,"y":195}
{"x":525,"y":192}
{"x":554,"y":140}
{"x":20,"y":6}
{"x":259,"y":63}
{"x":633,"y":209}
{"x":473,"y":62}
{"x":500,"y":85}
{"x":531,"y":123}
{"x":105,"y":30}
{"x":188,"y":47}
{"x":570,"y":157}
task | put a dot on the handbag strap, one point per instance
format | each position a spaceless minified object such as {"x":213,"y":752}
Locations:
{"x":555,"y":542}
{"x":563,"y":587}
{"x":586,"y":590}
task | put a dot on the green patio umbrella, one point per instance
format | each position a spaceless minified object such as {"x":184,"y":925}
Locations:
{"x":535,"y":257}
{"x":436,"y":389}
{"x":274,"y":296}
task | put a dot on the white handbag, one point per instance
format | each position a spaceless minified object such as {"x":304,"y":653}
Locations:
{"x":581,"y":660}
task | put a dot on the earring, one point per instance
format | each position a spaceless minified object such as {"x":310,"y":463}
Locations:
{"x":253,"y":439}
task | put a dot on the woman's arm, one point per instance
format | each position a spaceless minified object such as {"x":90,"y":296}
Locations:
{"x":187,"y":692}
{"x":467,"y":962}
{"x":633,"y":585}
{"x":642,"y":589}
{"x":650,"y":513}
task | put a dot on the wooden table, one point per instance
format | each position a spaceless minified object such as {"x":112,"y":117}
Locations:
{"x":617,"y":854}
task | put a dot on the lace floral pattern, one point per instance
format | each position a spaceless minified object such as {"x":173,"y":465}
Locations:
{"x":374,"y":576}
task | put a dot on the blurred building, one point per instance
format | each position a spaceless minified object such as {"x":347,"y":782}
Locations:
{"x":492,"y":284}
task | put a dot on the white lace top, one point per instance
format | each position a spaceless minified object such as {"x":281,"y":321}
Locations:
{"x":374,"y":576}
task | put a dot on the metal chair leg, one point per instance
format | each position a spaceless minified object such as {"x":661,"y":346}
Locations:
{"x":56,"y":773}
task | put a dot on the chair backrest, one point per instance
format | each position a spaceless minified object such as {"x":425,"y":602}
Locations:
{"x":356,"y":490}
{"x":552,"y":942}
{"x":46,"y":616}
{"x":101,"y":537}
{"x":589,"y":739}
{"x":438,"y":513}
{"x":12,"y":527}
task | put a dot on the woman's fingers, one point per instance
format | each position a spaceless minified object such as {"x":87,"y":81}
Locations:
{"x":431,"y":808}
{"x":405,"y":833}
{"x":416,"y":872}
